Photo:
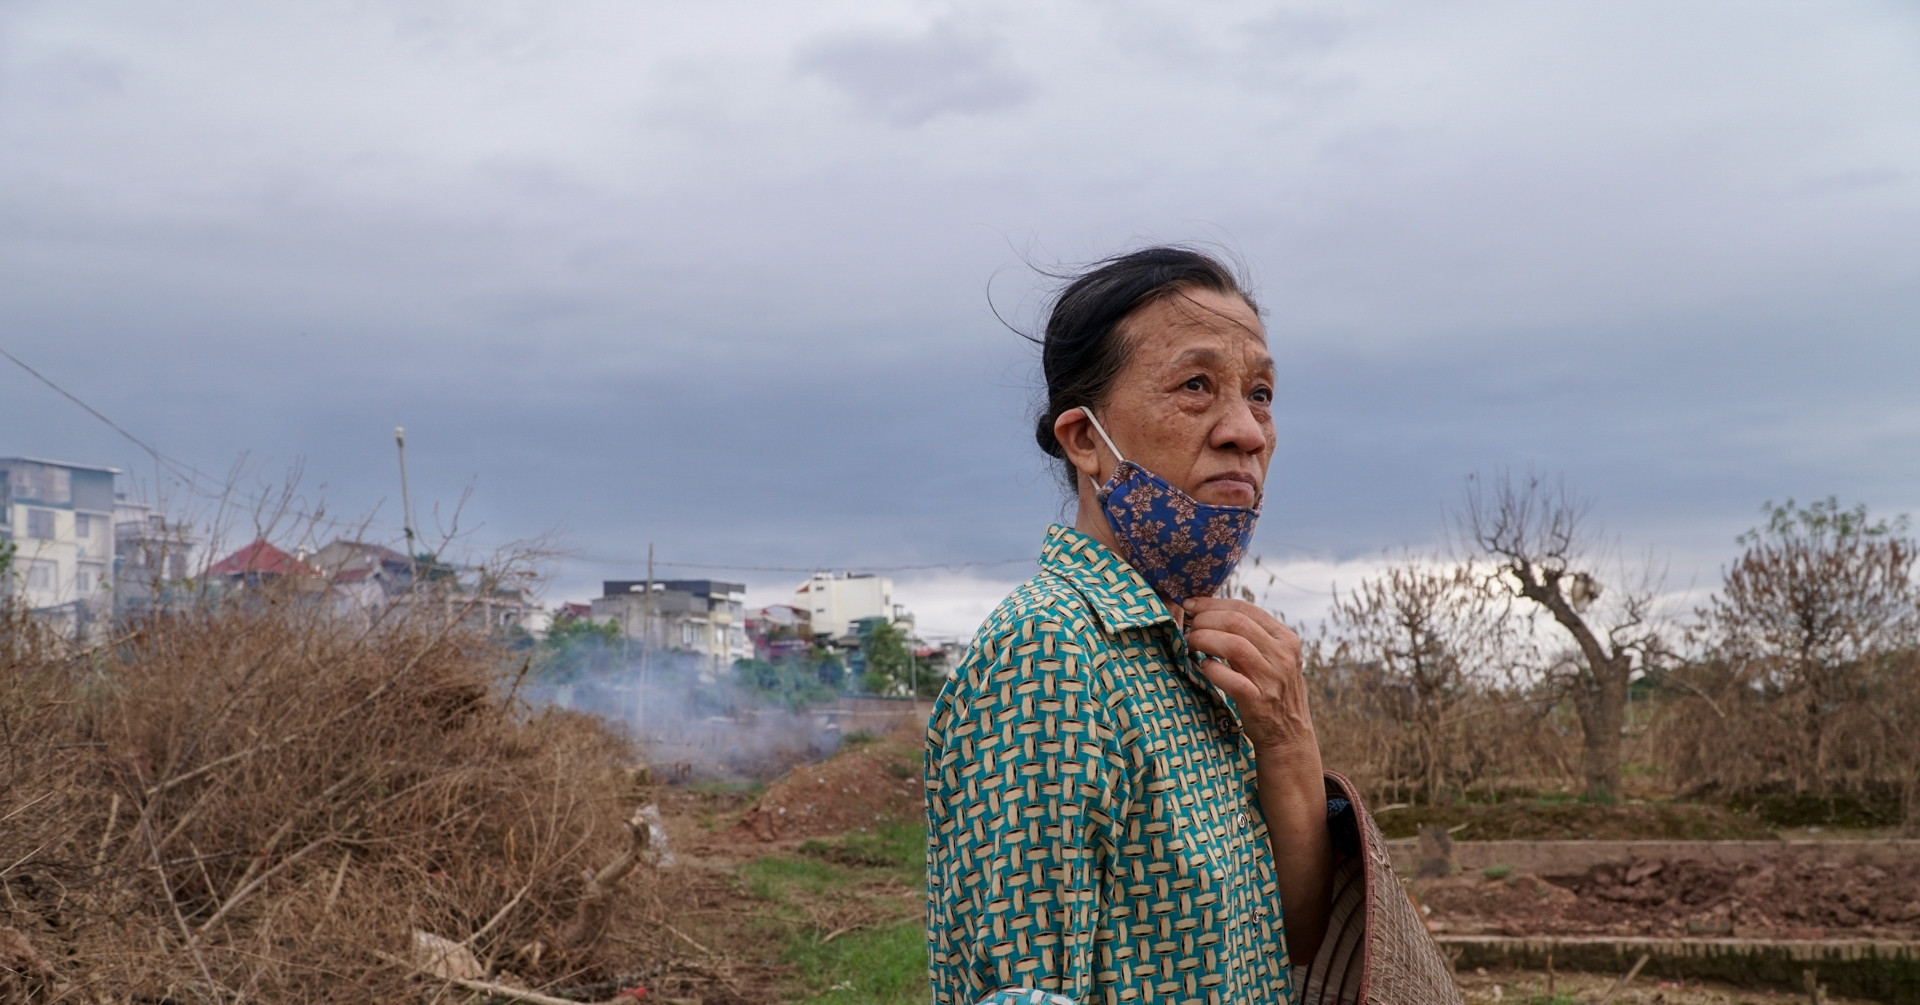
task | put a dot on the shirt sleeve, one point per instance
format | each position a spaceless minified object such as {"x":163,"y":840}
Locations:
{"x":1027,"y":791}
{"x":1024,"y":996}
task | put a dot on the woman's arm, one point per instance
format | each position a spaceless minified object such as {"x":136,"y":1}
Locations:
{"x":1261,"y":673}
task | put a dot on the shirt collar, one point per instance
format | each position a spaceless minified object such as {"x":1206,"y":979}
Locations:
{"x":1117,"y":593}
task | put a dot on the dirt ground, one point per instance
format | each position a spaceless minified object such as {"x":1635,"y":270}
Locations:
{"x":1792,"y":896}
{"x":1517,"y":987}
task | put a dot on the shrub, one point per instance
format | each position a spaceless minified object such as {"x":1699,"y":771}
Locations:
{"x":254,"y":799}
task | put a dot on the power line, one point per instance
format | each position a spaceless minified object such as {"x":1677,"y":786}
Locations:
{"x":90,"y":410}
{"x":943,"y":566}
{"x":185,"y":472}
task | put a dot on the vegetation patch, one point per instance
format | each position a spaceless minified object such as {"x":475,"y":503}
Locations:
{"x":898,"y":846}
{"x":882,"y":966}
{"x":847,"y":913}
{"x":1879,"y":806}
{"x":1561,"y":820}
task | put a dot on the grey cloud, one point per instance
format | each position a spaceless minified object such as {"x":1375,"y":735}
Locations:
{"x":907,"y":80}
{"x":766,"y":341}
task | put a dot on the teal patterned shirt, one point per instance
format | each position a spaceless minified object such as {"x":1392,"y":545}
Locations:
{"x":1093,"y":829}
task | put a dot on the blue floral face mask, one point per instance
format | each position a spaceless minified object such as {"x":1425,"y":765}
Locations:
{"x":1181,"y":546}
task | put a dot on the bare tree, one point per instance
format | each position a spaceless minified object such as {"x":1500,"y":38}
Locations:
{"x":1430,"y":635}
{"x":1812,"y":616}
{"x":1531,"y":530}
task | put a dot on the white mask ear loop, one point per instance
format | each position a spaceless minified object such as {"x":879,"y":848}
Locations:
{"x":1103,"y":433}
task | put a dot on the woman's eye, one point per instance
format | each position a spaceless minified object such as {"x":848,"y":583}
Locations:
{"x":1195,"y":384}
{"x":1263,"y":395}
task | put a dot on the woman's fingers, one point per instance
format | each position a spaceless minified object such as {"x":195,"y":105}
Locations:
{"x":1238,"y":623}
{"x":1259,"y":615}
{"x":1235,"y":649}
{"x":1264,"y":678}
{"x":1227,"y":679}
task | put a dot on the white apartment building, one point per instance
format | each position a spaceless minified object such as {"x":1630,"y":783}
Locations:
{"x":836,"y":603}
{"x":59,"y":520}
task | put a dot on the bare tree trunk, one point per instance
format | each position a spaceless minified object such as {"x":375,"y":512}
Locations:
{"x":1602,"y":705}
{"x":1815,"y":773}
{"x":1532,"y":530}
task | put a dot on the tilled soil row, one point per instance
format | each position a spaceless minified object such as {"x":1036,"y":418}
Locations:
{"x":1791,"y":896}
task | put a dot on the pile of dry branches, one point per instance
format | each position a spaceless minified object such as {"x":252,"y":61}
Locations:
{"x":253,"y":801}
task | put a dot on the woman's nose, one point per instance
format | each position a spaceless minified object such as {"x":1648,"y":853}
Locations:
{"x":1239,"y":429}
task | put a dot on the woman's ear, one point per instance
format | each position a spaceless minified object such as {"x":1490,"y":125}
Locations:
{"x":1075,"y":432}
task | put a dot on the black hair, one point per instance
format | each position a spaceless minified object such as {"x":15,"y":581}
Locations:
{"x":1084,"y":348}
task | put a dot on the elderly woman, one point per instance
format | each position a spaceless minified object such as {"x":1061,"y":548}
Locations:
{"x":1125,"y":801}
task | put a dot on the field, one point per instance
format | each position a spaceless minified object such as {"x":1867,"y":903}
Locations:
{"x":248,"y":803}
{"x":822,"y":901}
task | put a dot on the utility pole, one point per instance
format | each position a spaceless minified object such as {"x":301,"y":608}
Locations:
{"x":406,"y":505}
{"x":646,"y":638}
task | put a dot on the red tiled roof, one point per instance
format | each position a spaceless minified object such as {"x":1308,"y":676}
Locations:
{"x":261,"y":558}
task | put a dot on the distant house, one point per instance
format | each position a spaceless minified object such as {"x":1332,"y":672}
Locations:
{"x":779,"y":631}
{"x":705,"y":617}
{"x":344,"y":556}
{"x":151,"y":554}
{"x":836,"y":604}
{"x":260,"y":563}
{"x":58,"y":517}
{"x":363,"y":577}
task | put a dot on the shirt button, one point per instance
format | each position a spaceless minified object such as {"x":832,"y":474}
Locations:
{"x":1241,"y":819}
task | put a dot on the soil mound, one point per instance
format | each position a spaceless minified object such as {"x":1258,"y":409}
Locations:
{"x":1789,"y":896}
{"x":864,"y":785}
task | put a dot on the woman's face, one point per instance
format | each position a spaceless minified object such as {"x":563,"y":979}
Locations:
{"x":1194,"y":404}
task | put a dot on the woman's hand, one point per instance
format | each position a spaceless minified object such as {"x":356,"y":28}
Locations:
{"x":1260,"y":672}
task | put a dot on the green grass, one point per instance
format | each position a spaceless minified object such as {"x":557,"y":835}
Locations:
{"x":779,"y":879}
{"x":881,"y":962}
{"x":899,"y":846}
{"x":879,"y":966}
{"x":742,"y":790}
{"x":1557,"y":816}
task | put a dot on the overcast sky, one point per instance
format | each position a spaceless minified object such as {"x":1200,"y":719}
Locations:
{"x":724,"y":276}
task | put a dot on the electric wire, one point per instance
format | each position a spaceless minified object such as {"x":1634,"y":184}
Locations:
{"x":188,"y":475}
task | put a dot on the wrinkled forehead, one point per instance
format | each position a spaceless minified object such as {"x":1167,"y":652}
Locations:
{"x":1196,"y":309}
{"x":1203,"y":329}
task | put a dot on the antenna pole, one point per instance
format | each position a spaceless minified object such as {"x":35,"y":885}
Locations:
{"x":406,"y":500}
